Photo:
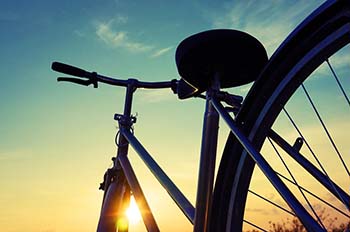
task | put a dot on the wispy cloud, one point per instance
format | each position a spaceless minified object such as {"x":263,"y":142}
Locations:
{"x":119,"y":39}
{"x":107,"y":32}
{"x":153,"y":96}
{"x":341,"y":59}
{"x":269,"y":21}
{"x":161,"y":52}
{"x":339,"y":62}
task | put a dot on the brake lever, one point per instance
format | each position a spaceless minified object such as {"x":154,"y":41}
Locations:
{"x":79,"y":81}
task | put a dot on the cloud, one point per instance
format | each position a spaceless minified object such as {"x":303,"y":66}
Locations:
{"x":268,"y":21}
{"x":341,"y":60}
{"x":119,"y":39}
{"x":340,"y":63}
{"x":154,"y":96}
{"x":161,"y":52}
{"x":106,"y":32}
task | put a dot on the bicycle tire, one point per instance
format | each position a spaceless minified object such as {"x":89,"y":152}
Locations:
{"x":319,"y":36}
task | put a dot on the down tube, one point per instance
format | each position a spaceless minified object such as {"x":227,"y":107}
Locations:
{"x":181,"y":201}
{"x":141,"y":201}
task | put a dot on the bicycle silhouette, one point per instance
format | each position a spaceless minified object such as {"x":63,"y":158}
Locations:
{"x":208,"y":62}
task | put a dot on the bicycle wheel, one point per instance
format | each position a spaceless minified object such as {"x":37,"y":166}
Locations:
{"x":325,"y":32}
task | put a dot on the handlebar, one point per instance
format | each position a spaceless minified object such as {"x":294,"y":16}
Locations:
{"x":93,"y":78}
{"x":68,"y":69}
{"x":179,"y":87}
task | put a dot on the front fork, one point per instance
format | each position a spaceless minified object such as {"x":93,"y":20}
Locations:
{"x":115,"y":201}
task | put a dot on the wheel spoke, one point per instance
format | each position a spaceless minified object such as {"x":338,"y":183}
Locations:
{"x":306,"y":143}
{"x":314,"y":195}
{"x":341,"y":197}
{"x":271,"y":202}
{"x":255,"y":226}
{"x":296,"y":183}
{"x":326,"y":32}
{"x":308,"y":166}
{"x":325,"y":128}
{"x":287,"y":195}
{"x":338,"y":82}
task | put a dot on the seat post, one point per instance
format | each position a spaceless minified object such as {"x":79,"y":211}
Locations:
{"x":207,"y":159}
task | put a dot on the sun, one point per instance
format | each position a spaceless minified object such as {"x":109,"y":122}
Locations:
{"x":133,"y":212}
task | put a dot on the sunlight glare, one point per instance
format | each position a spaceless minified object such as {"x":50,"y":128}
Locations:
{"x":133,"y":212}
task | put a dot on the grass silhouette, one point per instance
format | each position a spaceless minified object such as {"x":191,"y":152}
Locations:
{"x":294,"y":225}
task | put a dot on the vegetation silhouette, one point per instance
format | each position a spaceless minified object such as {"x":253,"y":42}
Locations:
{"x":294,"y":224}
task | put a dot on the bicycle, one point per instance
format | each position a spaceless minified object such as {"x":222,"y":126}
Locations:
{"x":205,"y":64}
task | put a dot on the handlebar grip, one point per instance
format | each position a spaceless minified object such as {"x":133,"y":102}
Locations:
{"x":68,"y":69}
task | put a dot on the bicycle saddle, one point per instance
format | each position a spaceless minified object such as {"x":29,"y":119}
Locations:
{"x":237,"y":56}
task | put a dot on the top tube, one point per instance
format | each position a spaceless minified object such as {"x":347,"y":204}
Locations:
{"x":94,"y":78}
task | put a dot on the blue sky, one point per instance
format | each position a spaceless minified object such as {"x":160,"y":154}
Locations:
{"x":56,"y":139}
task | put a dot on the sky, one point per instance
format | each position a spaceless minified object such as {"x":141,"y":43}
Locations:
{"x":57,"y":139}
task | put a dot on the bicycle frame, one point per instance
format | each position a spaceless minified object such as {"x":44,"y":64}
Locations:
{"x":128,"y":178}
{"x":121,"y":180}
{"x":126,"y":181}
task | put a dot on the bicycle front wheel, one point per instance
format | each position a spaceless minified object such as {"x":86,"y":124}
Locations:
{"x":297,"y":70}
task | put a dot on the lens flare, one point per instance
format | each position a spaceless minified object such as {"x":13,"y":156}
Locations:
{"x":122,"y":224}
{"x":133,"y":212}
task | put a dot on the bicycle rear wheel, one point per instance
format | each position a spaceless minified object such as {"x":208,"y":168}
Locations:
{"x":325,"y":32}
